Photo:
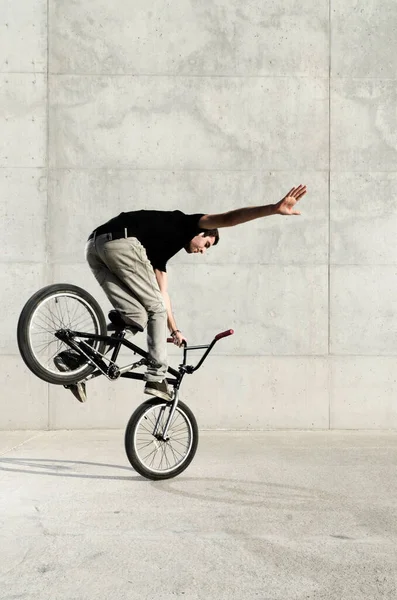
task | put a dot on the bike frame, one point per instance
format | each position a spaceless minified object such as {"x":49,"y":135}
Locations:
{"x":113,"y":372}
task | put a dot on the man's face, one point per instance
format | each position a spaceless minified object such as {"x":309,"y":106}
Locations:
{"x":199,"y":244}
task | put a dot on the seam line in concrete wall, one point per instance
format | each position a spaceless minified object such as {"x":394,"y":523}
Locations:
{"x":268,"y":171}
{"x":329,"y":204}
{"x":162,"y":170}
{"x":48,"y":264}
{"x":23,"y":72}
{"x":197,"y":76}
{"x":209,"y":76}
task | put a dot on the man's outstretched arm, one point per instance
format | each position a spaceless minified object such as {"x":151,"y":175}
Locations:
{"x":286,"y":206}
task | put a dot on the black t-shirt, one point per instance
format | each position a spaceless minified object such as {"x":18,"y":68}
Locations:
{"x":161,"y":233}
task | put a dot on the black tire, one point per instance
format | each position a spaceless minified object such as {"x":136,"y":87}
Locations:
{"x":144,"y":419}
{"x":57,"y":293}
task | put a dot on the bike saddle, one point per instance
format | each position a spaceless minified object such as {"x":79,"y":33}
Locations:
{"x":117,"y":323}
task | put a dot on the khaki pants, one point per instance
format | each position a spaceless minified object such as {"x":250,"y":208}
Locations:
{"x":126,"y":275}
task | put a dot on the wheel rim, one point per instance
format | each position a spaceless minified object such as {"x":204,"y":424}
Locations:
{"x":62,"y":310}
{"x":159,"y":456}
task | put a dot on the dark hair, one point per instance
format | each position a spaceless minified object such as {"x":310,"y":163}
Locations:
{"x":212,"y":233}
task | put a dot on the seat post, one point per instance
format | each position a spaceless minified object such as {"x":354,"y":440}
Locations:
{"x":121,"y":335}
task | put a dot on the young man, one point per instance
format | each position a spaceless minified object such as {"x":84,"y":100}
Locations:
{"x":128,"y":256}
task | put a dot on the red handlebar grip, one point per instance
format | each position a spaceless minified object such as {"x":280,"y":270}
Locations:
{"x":224,"y":334}
{"x":171,"y":340}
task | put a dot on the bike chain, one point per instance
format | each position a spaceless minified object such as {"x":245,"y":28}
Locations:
{"x":113,"y":370}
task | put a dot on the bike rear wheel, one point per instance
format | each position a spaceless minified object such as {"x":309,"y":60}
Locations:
{"x":153,"y":457}
{"x":55,"y":307}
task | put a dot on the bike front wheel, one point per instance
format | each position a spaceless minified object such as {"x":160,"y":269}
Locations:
{"x":151,"y":455}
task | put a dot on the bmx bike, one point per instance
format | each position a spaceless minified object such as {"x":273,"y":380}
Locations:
{"x":161,"y":437}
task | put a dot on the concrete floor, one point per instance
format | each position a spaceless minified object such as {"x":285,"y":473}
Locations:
{"x":269,"y":515}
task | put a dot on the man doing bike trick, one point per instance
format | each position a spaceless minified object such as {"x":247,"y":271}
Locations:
{"x":128,"y":256}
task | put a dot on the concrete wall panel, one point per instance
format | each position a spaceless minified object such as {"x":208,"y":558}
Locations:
{"x":23,"y":39}
{"x":275,"y":310}
{"x":363,"y":393}
{"x":363,"y":125}
{"x":83,"y":199}
{"x":18,"y":281}
{"x":23,"y":205}
{"x":362,"y":311}
{"x":363,"y":218}
{"x":189,"y":122}
{"x":24,"y":397}
{"x":241,"y":392}
{"x":23,"y":213}
{"x":23,"y":106}
{"x":364,"y":40}
{"x":185,"y":37}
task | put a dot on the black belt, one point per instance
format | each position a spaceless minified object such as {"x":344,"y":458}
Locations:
{"x":112,"y":235}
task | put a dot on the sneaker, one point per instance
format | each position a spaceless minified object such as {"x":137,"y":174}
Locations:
{"x":78,"y":391}
{"x":68,"y":360}
{"x":159,"y":389}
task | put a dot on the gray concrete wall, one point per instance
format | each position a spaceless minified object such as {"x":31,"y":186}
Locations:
{"x":209,"y":106}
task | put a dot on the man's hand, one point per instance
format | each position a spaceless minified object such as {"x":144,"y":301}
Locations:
{"x":287,"y":204}
{"x":178,"y":338}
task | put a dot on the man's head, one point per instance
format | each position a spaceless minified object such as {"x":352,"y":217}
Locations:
{"x":201,"y":242}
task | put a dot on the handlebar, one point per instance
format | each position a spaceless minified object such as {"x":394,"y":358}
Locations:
{"x":219,"y":336}
{"x":207,"y":348}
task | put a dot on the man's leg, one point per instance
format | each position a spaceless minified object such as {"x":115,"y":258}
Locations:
{"x":119,"y":295}
{"x":126,"y":275}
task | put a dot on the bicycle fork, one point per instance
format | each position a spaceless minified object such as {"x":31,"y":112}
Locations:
{"x":157,"y":428}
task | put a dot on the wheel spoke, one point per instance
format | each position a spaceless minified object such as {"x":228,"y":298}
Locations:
{"x":81,"y":323}
{"x":48,"y":322}
{"x":58,"y":308}
{"x":67,"y":310}
{"x":176,"y":441}
{"x":146,"y":428}
{"x":76,"y":307}
{"x":143,"y":446}
{"x":50,"y":316}
{"x":173,"y":453}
